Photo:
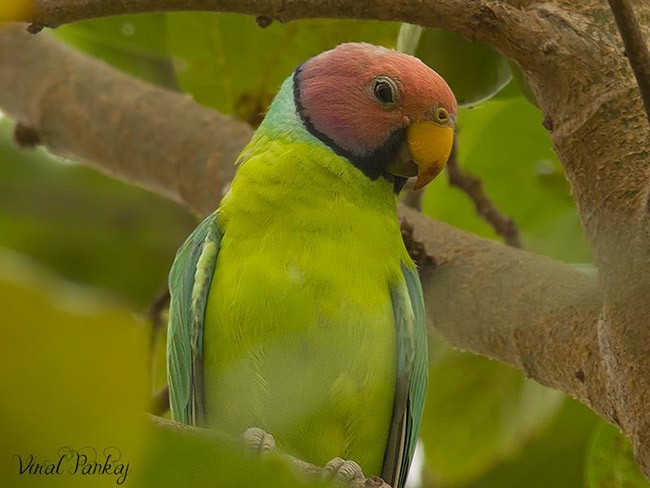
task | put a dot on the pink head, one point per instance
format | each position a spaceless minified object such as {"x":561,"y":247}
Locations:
{"x":362,"y":100}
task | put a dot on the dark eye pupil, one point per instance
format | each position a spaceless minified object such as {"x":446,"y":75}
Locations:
{"x":384,"y":92}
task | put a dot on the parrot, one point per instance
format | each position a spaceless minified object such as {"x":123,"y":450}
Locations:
{"x":295,"y":306}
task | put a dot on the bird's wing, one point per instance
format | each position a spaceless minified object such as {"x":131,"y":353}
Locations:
{"x":411,"y":385}
{"x":189,"y":283}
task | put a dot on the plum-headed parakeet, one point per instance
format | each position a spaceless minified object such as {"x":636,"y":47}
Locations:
{"x":295,"y":306}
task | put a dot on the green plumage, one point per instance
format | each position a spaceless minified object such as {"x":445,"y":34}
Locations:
{"x":302,"y":307}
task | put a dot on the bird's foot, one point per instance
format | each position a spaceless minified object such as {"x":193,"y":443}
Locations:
{"x":258,"y":441}
{"x":342,"y":470}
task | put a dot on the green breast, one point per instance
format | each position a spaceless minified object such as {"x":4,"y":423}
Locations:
{"x":299,"y":334}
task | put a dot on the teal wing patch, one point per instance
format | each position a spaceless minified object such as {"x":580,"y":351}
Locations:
{"x":189,"y":283}
{"x":412,"y":377}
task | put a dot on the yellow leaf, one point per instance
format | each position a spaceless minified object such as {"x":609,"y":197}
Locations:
{"x":73,"y":377}
{"x":15,"y":10}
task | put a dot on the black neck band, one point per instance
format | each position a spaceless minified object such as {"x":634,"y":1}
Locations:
{"x":373,"y":164}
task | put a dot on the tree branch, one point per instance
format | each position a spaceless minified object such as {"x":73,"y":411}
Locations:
{"x":457,"y":14}
{"x":527,"y":310}
{"x":502,"y":225}
{"x":53,"y":13}
{"x":636,"y":47}
{"x":58,"y":93}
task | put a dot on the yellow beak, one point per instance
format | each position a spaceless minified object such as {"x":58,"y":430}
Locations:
{"x":430,"y":145}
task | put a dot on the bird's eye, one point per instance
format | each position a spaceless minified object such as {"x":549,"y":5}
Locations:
{"x":385,"y":90}
{"x":442,"y":115}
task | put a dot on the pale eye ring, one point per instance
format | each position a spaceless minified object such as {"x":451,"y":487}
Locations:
{"x":442,"y":115}
{"x":385,"y":91}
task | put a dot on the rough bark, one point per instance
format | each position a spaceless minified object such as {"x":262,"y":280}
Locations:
{"x":72,"y":102}
{"x":636,"y":46}
{"x":573,"y":59}
{"x":530,"y":311}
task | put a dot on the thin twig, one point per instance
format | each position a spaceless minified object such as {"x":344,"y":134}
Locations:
{"x":636,"y":47}
{"x":504,"y":226}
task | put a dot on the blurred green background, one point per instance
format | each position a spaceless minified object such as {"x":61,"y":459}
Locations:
{"x":83,"y":257}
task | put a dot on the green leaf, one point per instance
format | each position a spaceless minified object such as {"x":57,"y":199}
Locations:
{"x":610,"y":461}
{"x":75,"y":374}
{"x":228,"y":62}
{"x":474,"y":71}
{"x":86,"y":226}
{"x":508,"y":92}
{"x":520,"y":80}
{"x":503,"y":143}
{"x":408,"y":38}
{"x":75,"y":366}
{"x":478,"y":413}
{"x":16,"y":10}
{"x":175,"y":459}
{"x":555,"y":458}
{"x":586,"y":268}
{"x":133,"y":43}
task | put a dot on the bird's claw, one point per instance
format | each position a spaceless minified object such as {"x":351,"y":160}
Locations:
{"x":375,"y":482}
{"x":258,"y":441}
{"x":342,"y":470}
